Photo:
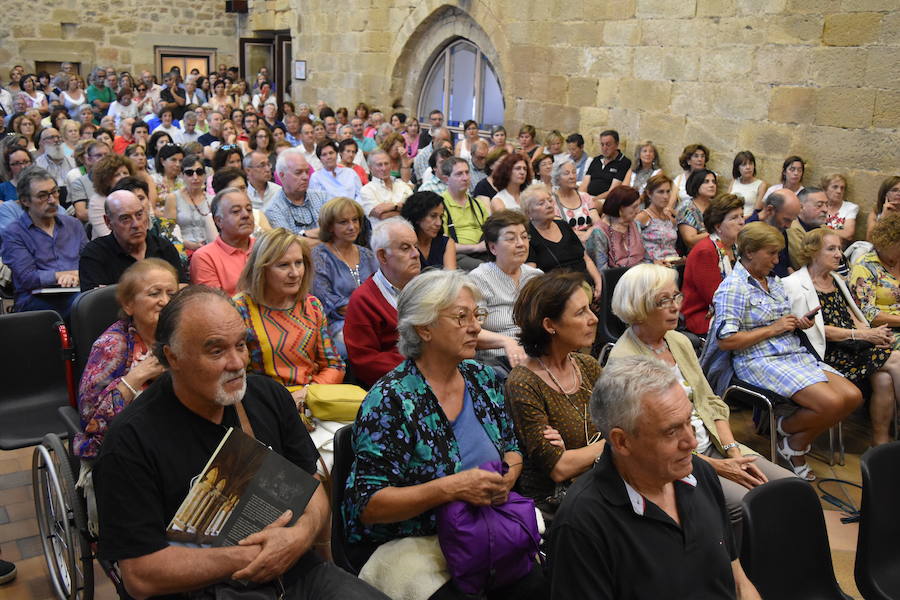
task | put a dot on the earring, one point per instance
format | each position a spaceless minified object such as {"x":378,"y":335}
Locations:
{"x":552,"y":332}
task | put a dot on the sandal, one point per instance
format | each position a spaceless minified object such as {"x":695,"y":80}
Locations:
{"x":778,"y":428}
{"x":803,"y":471}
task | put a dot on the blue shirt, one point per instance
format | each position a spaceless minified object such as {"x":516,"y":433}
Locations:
{"x":475,"y":447}
{"x":284,"y":213}
{"x":11,"y":211}
{"x":343,"y":182}
{"x":34,"y":257}
{"x":8,"y":192}
{"x":365,"y":144}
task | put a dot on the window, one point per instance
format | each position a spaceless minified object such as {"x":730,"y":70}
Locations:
{"x":185,"y":59}
{"x":463,"y":84}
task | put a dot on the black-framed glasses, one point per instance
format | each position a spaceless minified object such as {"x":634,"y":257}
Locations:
{"x":44,"y":196}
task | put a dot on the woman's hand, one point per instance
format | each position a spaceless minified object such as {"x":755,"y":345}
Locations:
{"x":144,"y":371}
{"x":477,"y":486}
{"x":553,"y":437}
{"x":514,"y":352}
{"x":784,"y":324}
{"x":882,"y":337}
{"x":299,"y":397}
{"x":740,"y":470}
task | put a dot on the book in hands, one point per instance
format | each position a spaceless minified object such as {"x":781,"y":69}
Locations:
{"x":244,"y":487}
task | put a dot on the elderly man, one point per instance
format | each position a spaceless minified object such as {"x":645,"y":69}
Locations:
{"x":435,"y":122}
{"x":780,"y":209}
{"x":609,"y":166}
{"x":365,"y":144}
{"x":189,"y":131}
{"x":478,"y":162}
{"x":370,"y":328}
{"x":332,"y":179}
{"x":104,"y":259}
{"x":53,"y":159}
{"x":649,"y":520}
{"x":41,"y":247}
{"x":813,"y":214}
{"x":383,"y":196}
{"x":220,"y":263}
{"x":82,"y":187}
{"x":440,"y":136}
{"x":156,"y":446}
{"x":261,"y":189}
{"x":463,"y":215}
{"x":434,"y":180}
{"x":99,"y":96}
{"x":308,"y":146}
{"x":296,"y":208}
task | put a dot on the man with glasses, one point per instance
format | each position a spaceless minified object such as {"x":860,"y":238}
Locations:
{"x":262,"y":190}
{"x":41,"y":247}
{"x":53,"y":159}
{"x":435,"y":122}
{"x":296,"y":208}
{"x":104,"y":259}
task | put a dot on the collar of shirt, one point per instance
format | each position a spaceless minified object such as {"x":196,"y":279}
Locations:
{"x":390,"y":293}
{"x":229,"y":249}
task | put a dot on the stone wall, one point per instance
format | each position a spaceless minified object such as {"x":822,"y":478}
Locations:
{"x":119,"y":33}
{"x":819,"y":78}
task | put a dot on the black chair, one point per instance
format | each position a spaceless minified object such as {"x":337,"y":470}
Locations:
{"x":877,"y":554}
{"x":609,"y":327}
{"x":785,"y":550}
{"x":36,"y":357}
{"x":343,"y":459}
{"x":92,"y":312}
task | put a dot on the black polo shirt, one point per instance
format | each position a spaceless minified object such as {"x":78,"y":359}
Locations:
{"x":207,"y":139}
{"x":601,"y":548}
{"x":103,"y":260}
{"x":157,"y":445}
{"x":168,"y":96}
{"x":602,"y":175}
{"x":784,"y":257}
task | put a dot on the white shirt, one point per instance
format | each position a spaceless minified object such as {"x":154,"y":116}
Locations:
{"x":387,"y":289}
{"x":262,"y":202}
{"x":311,"y":157}
{"x":174,"y":132}
{"x":376,"y":192}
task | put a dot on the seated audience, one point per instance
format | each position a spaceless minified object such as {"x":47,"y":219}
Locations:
{"x":384,"y":195}
{"x":888,"y":202}
{"x":656,"y":222}
{"x":464,"y":146}
{"x":572,"y":206}
{"x":81,"y":188}
{"x":453,"y":410}
{"x":168,"y":171}
{"x":813,"y":215}
{"x":121,"y":364}
{"x":613,"y":536}
{"x":745,"y":183}
{"x":711,"y":260}
{"x":616,"y":241}
{"x":510,"y":176}
{"x":434,"y":179}
{"x":425,"y":210}
{"x":260,"y":187}
{"x":231,"y":177}
{"x":41,"y":247}
{"x":645,"y":166}
{"x":464,"y":213}
{"x":606,"y":170}
{"x":341,"y":265}
{"x":400,"y":162}
{"x":159,"y":226}
{"x":647,"y":299}
{"x":15,"y":160}
{"x":841,"y":213}
{"x":52,"y":158}
{"x":780,"y":210}
{"x":548,"y":393}
{"x":104,"y":259}
{"x":438,"y":138}
{"x":792,"y":171}
{"x":694,"y":157}
{"x":875,"y":277}
{"x":553,"y":244}
{"x":370,"y":326}
{"x":189,"y":206}
{"x":348,"y":151}
{"x":753,"y":321}
{"x":105,"y":174}
{"x":702,"y":188}
{"x":332,"y":179}
{"x":220,"y":263}
{"x":840,"y":334}
{"x":297,"y":207}
{"x":158,"y":445}
{"x":478,"y":169}
{"x":575,"y":145}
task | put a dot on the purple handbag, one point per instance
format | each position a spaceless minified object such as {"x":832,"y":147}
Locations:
{"x":488,"y":547}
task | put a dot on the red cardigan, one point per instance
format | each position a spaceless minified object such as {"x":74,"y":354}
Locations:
{"x":370,"y":333}
{"x":701,"y":280}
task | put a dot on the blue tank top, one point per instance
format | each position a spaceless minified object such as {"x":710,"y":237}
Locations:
{"x":475,"y":447}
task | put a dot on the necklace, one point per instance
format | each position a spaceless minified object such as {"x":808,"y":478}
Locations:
{"x":354,"y":268}
{"x":556,"y":381}
{"x":197,"y":206}
{"x":663,"y":347}
{"x":582,"y":413}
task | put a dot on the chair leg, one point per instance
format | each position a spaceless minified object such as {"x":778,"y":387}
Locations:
{"x":773,"y":433}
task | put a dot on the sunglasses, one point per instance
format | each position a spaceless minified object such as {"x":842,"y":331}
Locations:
{"x":191,"y":172}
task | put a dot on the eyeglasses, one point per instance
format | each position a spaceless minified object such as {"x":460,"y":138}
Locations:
{"x":51,"y":138}
{"x":894,"y":192}
{"x":192,"y":172}
{"x":44,"y":196}
{"x":668,"y":302}
{"x":20,"y":163}
{"x":465,"y":317}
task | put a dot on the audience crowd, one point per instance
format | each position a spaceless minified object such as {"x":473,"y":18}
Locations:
{"x":456,"y":277}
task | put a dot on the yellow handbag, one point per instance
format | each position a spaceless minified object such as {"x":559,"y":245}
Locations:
{"x":334,"y":402}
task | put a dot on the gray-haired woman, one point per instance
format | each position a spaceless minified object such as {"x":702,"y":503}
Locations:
{"x":574,"y":207}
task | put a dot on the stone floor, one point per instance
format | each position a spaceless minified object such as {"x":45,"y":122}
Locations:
{"x":19,"y":540}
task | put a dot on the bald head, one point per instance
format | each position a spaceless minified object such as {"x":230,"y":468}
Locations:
{"x":781,"y":209}
{"x":127,"y":219}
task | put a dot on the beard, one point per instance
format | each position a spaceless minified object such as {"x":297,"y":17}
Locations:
{"x":224,"y":398}
{"x":55,"y":152}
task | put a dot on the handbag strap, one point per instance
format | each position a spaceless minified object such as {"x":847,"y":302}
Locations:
{"x":242,"y":417}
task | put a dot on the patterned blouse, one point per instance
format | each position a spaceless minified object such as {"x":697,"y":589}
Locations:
{"x":99,"y":400}
{"x":876,"y":289}
{"x":659,"y":237}
{"x":609,"y":248}
{"x":402,"y":438}
{"x":689,"y":214}
{"x":291,"y":346}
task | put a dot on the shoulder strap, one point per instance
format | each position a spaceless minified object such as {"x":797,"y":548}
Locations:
{"x":245,"y":422}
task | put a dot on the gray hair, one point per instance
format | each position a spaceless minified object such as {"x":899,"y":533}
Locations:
{"x":530,"y":195}
{"x":557,"y":170}
{"x":381,"y":232}
{"x":215,"y":207}
{"x":189,"y":116}
{"x":281,"y":163}
{"x":804,"y":194}
{"x":371,"y":159}
{"x":344,"y":127}
{"x":618,"y":394}
{"x":422,"y":301}
{"x":248,"y":159}
{"x":26,"y":177}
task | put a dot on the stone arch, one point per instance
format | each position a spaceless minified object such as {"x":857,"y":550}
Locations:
{"x":429,"y":29}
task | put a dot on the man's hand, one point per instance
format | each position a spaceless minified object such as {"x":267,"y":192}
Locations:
{"x":67,"y":279}
{"x":281,"y":546}
{"x":384,"y":210}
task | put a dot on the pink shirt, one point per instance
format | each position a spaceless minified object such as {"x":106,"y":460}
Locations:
{"x":219,"y":265}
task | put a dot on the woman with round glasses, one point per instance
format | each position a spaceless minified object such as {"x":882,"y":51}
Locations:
{"x":190,"y":207}
{"x":647,"y":298}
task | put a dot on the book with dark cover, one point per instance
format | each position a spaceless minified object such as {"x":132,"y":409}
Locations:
{"x":244,"y":487}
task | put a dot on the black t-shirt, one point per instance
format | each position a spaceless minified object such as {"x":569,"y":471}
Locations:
{"x":484,"y":188}
{"x":207,"y":139}
{"x":601,"y":548}
{"x":168,"y":97}
{"x":602,"y":175}
{"x":103,"y":261}
{"x":157,"y":445}
{"x":567,"y":253}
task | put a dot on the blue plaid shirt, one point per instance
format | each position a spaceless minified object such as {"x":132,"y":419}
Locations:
{"x":297,"y":218}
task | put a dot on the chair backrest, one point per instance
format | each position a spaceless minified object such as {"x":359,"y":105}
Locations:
{"x":92,"y":312}
{"x":36,"y":363}
{"x":785,"y":550}
{"x":877,"y":554}
{"x":343,"y":459}
{"x":610,"y":327}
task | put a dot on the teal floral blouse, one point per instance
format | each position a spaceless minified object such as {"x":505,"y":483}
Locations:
{"x":401,"y":437}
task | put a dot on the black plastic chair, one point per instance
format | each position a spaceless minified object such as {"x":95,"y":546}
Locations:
{"x":36,"y":357}
{"x":877,"y":554}
{"x":92,"y":312}
{"x":609,"y":327}
{"x":785,"y":550}
{"x":343,"y":459}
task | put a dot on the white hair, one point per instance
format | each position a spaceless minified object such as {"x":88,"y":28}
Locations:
{"x":557,"y":170}
{"x":381,"y":232}
{"x":618,"y":394}
{"x":635,"y":295}
{"x":281,"y":163}
{"x":371,"y":159}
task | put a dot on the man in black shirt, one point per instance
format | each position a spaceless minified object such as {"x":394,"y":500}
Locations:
{"x":649,"y":520}
{"x":157,"y":445}
{"x":610,"y":165}
{"x":104,"y":259}
{"x":173,"y":97}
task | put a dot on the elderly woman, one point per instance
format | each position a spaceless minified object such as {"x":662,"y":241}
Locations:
{"x":553,"y":244}
{"x":645,"y":166}
{"x":510,"y":176}
{"x":841,"y":213}
{"x":656,"y":221}
{"x":189,"y":206}
{"x":792,"y":171}
{"x":548,"y":394}
{"x":425,"y":210}
{"x":840,"y":334}
{"x":452,"y":415}
{"x":287,"y":331}
{"x":575,"y":207}
{"x":341,"y":265}
{"x":753,"y":321}
{"x":745,"y":183}
{"x":888,"y":202}
{"x":500,"y":281}
{"x":711,"y":260}
{"x":105,"y":174}
{"x":694,"y":157}
{"x":647,"y":298}
{"x":616,"y":242}
{"x":702,"y":186}
{"x":875,"y":277}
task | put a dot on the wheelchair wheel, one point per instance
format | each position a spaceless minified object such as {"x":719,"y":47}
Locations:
{"x":62,"y":521}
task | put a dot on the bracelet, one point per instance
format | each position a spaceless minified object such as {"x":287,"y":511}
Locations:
{"x":852,"y":335}
{"x":128,"y":385}
{"x":728,"y":447}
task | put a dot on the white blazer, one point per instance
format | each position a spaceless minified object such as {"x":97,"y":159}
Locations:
{"x":800,"y":290}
